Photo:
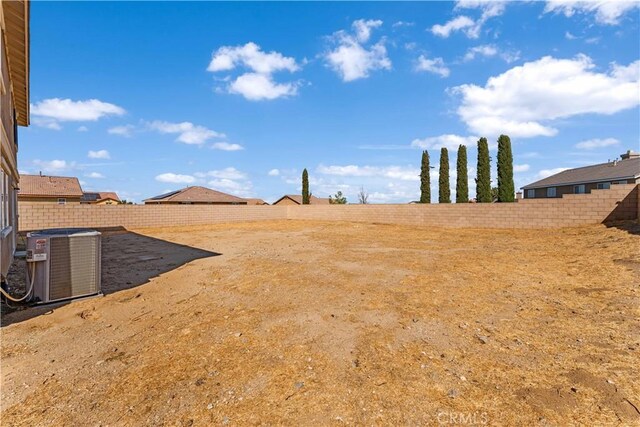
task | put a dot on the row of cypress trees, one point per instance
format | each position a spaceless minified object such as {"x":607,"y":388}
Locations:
{"x":506,"y":187}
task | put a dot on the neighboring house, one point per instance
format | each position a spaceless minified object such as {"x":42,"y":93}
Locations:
{"x":296,"y":199}
{"x":195,"y":196}
{"x":256,"y":202}
{"x":50,"y":189}
{"x":583,"y":180}
{"x":101,"y":198}
{"x":14,"y":112}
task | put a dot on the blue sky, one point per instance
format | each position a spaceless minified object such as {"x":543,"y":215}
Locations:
{"x":143,"y":98}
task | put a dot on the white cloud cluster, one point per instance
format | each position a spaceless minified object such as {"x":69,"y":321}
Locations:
{"x":448,"y":141}
{"x":99,"y":154}
{"x":227,"y":180}
{"x":174,"y":178}
{"x":53,"y":166}
{"x":544,"y":173}
{"x":351,"y":58}
{"x":606,"y":12}
{"x":94,"y":175}
{"x":258,"y":84}
{"x":521,"y":101}
{"x":489,"y":51}
{"x":274,"y":172}
{"x":187,"y":132}
{"x":592,"y":144}
{"x":436,"y":66}
{"x":402,"y":173}
{"x":49,"y":112}
{"x":226,"y":146}
{"x":471,"y":28}
{"x":125,"y":130}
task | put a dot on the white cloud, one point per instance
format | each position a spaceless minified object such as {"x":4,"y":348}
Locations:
{"x":83,"y":129}
{"x":61,"y":110}
{"x":363,"y":28}
{"x":471,"y":28}
{"x":100,"y":154}
{"x":399,"y":24}
{"x":226,"y":146}
{"x":592,"y":144}
{"x":126,"y":130}
{"x":45,"y":122}
{"x":606,"y":12}
{"x":521,"y":168}
{"x":569,"y":36}
{"x":403,"y":173}
{"x":257,"y":87}
{"x":351,"y":59}
{"x":456,"y":24}
{"x":95,"y":175}
{"x":175,"y":178}
{"x":483,"y":50}
{"x":274,"y":172}
{"x":53,"y":166}
{"x":435,"y":66}
{"x":187,"y":132}
{"x":544,"y":173}
{"x":448,"y":141}
{"x":250,"y":56}
{"x":521,"y":101}
{"x":258,"y":84}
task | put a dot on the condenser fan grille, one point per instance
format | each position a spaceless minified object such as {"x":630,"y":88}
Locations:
{"x":74,"y":267}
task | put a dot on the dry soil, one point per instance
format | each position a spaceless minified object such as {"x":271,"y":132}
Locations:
{"x":312,"y":323}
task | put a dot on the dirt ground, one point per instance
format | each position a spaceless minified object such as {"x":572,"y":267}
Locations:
{"x":313,"y":323}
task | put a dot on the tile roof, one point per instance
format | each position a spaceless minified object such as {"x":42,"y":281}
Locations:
{"x":313,"y":200}
{"x":618,"y":170}
{"x":49,"y":186}
{"x":196,"y":194}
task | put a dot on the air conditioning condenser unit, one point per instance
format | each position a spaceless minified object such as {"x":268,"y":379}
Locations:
{"x":67,"y":263}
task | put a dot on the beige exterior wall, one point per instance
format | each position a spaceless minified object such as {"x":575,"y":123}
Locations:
{"x":561,"y":190}
{"x":619,"y":203}
{"x":8,"y":168}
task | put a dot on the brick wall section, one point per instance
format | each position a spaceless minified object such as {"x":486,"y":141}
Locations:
{"x":36,"y":216}
{"x":621,"y":202}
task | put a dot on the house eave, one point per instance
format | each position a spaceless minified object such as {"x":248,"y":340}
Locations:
{"x":16,"y":19}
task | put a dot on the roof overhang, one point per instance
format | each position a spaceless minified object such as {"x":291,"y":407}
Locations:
{"x":15,"y":15}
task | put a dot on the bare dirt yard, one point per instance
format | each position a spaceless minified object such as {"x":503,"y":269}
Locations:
{"x":315,"y":323}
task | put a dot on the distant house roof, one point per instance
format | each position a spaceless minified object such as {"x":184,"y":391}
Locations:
{"x":49,"y":186}
{"x":256,"y":202}
{"x":297,"y":198}
{"x":612,"y":171}
{"x":100,"y":196}
{"x":196,"y":194}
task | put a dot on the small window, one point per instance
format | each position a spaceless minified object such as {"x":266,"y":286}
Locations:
{"x":531,"y":194}
{"x":620,"y":182}
{"x":604,"y":185}
{"x":579,"y":189}
{"x":551,"y":192}
{"x":62,"y":201}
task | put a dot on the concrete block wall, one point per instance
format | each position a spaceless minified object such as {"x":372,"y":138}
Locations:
{"x":621,"y":202}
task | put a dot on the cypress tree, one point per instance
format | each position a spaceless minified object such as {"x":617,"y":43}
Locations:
{"x":425,"y":179}
{"x":506,"y":188}
{"x":305,"y":187}
{"x":462,"y":181}
{"x":483,"y":180}
{"x":444,"y":195}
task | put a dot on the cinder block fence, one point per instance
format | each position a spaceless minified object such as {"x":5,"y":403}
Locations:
{"x":621,"y":202}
